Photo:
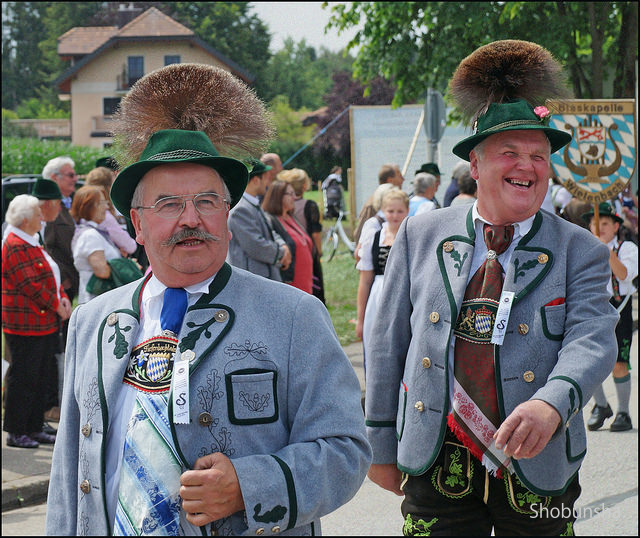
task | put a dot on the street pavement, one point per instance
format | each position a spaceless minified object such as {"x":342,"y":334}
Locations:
{"x":608,"y":505}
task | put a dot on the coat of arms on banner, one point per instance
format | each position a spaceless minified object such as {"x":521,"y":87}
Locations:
{"x":601,"y":158}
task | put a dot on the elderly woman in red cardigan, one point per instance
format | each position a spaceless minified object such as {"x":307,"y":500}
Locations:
{"x":33,"y":300}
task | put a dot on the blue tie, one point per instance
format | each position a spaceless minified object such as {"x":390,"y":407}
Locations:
{"x":174,"y":306}
{"x":148,"y":494}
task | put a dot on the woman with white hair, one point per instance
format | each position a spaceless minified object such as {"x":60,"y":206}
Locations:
{"x":33,"y":302}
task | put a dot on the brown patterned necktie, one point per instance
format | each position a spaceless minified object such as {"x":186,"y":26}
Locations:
{"x":475,"y":416}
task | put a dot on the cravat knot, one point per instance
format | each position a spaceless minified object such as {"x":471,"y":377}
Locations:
{"x":498,"y":238}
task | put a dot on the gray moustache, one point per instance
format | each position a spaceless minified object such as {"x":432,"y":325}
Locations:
{"x":183,"y":235}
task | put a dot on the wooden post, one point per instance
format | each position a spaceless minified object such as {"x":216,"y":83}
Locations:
{"x":413,"y":143}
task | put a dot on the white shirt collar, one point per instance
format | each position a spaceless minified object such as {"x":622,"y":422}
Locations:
{"x":31,"y":239}
{"x":252,"y":199}
{"x":521,"y":228}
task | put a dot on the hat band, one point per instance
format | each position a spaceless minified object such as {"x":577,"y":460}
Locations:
{"x":178,"y":154}
{"x":511,"y":123}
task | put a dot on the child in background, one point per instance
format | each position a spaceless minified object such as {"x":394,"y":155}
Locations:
{"x":623,"y":260}
{"x":375,"y":251}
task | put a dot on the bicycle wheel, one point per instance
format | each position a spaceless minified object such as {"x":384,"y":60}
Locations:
{"x":330,"y":244}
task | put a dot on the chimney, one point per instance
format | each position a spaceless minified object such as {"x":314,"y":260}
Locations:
{"x":126,"y":13}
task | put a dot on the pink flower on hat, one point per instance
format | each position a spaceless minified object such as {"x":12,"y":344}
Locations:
{"x":541,"y":111}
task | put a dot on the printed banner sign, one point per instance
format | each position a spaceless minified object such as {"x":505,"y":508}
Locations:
{"x":601,"y":158}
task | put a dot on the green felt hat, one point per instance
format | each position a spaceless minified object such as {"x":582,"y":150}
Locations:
{"x":605,"y":209}
{"x":429,"y":168}
{"x":178,"y":146}
{"x":45,"y":189}
{"x":516,"y":115}
{"x":259,"y":168}
{"x":107,"y":162}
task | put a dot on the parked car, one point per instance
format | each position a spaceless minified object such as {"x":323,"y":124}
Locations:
{"x":14,"y":185}
{"x":20,"y":184}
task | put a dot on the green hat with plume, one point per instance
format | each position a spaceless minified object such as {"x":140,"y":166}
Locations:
{"x":496,"y":87}
{"x":188,"y":113}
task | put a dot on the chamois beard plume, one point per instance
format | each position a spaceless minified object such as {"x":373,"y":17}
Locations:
{"x":192,"y":97}
{"x":503,"y":71}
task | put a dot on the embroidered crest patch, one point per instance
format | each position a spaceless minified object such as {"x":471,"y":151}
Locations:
{"x":151,"y":364}
{"x":476,"y":319}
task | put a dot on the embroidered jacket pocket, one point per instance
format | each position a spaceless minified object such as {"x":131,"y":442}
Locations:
{"x":553,"y":321}
{"x":252,"y":396}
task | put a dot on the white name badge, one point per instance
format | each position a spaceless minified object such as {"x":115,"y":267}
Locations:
{"x":181,"y":391}
{"x":502,"y":317}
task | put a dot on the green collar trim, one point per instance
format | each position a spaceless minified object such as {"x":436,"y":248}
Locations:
{"x":535,"y":227}
{"x":216,"y":286}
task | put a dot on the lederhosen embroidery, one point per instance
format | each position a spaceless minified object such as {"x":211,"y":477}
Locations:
{"x":453,"y":478}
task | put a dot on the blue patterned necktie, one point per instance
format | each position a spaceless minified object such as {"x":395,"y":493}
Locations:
{"x":148,"y":493}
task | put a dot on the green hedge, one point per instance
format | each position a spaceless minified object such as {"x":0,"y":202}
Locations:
{"x":29,"y":155}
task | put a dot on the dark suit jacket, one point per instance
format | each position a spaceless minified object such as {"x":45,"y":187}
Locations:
{"x":57,"y":240}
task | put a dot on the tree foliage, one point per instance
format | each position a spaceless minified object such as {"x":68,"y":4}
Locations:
{"x":302,"y":74}
{"x":333,"y":147}
{"x":419,"y":44}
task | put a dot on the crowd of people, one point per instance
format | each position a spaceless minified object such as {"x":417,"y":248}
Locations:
{"x":275,"y":233}
{"x":202,"y":396}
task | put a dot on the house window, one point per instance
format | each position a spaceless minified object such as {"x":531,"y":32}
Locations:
{"x":110,"y":105}
{"x":171,"y":59}
{"x":136,"y":68}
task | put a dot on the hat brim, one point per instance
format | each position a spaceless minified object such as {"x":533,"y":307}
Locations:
{"x":586,"y":217}
{"x":557,"y":138}
{"x":234,"y":173}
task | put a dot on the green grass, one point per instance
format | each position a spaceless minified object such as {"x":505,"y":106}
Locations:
{"x":340,"y":289}
{"x":340,"y":281}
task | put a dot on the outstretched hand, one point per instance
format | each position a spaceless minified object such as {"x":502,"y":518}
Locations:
{"x":528,"y":429}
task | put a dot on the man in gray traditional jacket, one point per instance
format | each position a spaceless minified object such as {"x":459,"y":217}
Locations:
{"x":196,"y":400}
{"x":254,"y":246}
{"x":496,"y":330}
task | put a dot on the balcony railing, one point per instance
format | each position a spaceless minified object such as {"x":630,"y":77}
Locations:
{"x":101,"y":124}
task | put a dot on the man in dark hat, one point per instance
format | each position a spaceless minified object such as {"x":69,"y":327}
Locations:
{"x":501,"y":327}
{"x":197,"y":400}
{"x":254,"y":246}
{"x":432,"y":168}
{"x":623,"y":260}
{"x":49,"y":195}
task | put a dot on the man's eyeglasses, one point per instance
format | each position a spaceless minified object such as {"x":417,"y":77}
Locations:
{"x":171,"y":207}
{"x":68,"y":174}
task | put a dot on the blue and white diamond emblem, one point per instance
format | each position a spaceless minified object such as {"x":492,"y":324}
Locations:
{"x":156,"y":367}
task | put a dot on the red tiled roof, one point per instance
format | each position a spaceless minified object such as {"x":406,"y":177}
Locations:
{"x":153,"y":23}
{"x":85,"y":40}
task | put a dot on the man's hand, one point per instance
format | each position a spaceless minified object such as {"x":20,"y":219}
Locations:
{"x":285,"y":261}
{"x":387,"y":476}
{"x":527,"y":430}
{"x":211,"y":491}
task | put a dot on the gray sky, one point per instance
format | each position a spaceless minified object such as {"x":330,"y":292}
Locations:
{"x":300,"y":20}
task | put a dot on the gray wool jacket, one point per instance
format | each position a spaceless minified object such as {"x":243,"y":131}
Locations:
{"x":299,"y":457}
{"x":558,"y":353}
{"x":254,"y":245}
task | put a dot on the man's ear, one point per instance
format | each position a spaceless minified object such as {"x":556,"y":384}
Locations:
{"x":473,"y":165}
{"x":136,"y":220}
